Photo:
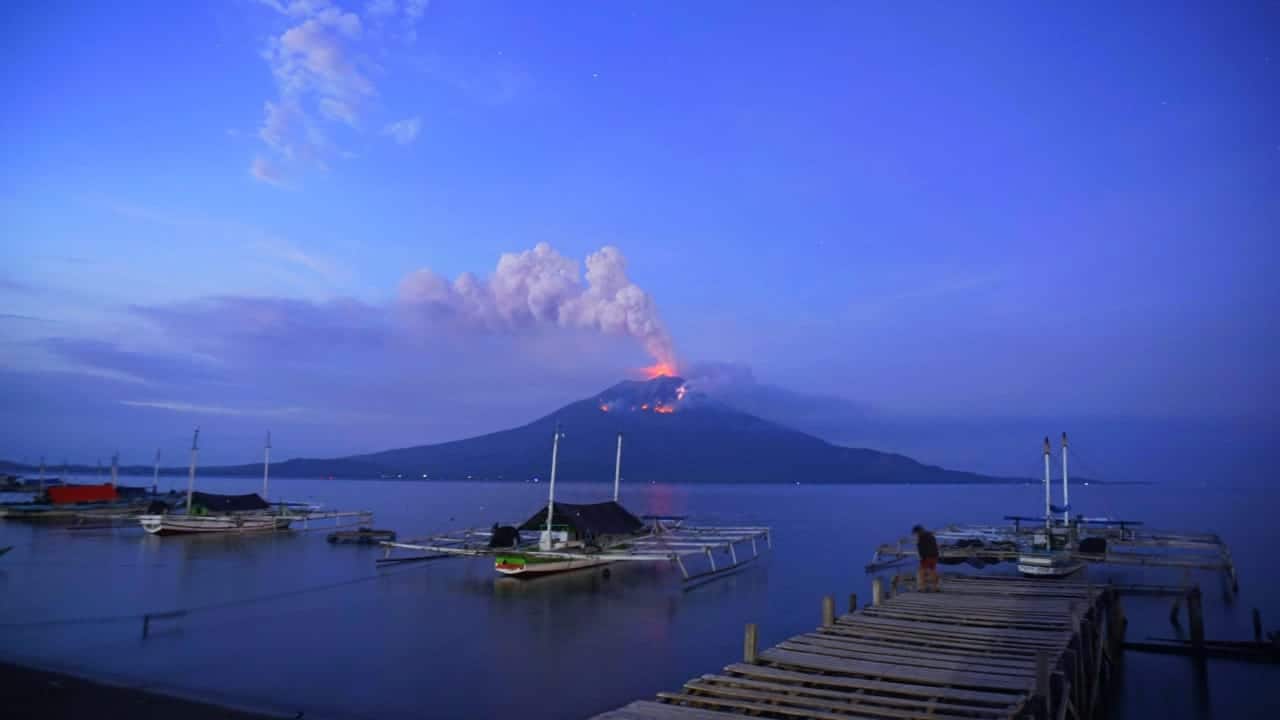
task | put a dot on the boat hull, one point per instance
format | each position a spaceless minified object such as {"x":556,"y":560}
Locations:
{"x":1048,"y":565}
{"x":207,"y":524}
{"x":517,"y":564}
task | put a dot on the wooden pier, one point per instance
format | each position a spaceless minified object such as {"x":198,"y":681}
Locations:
{"x":984,"y":648}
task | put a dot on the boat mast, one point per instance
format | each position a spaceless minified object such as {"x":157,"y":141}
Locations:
{"x":115,"y":464}
{"x":1048,"y":501}
{"x":1066,"y":503}
{"x":41,"y":474}
{"x":266,"y":464}
{"x":617,"y":469}
{"x":155,"y":474}
{"x":551,"y":494}
{"x":191,"y":473}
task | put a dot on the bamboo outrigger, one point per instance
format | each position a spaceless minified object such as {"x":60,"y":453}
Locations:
{"x":562,"y":537}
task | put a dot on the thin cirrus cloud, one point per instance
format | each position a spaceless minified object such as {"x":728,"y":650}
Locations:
{"x":404,"y":131}
{"x":323,"y":71}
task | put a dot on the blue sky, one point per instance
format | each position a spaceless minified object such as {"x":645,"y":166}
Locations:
{"x":212,"y":212}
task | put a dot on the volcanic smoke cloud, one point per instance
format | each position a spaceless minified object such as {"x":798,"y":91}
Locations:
{"x":542,"y":287}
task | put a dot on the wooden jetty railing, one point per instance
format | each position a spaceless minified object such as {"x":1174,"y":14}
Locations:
{"x":984,"y":648}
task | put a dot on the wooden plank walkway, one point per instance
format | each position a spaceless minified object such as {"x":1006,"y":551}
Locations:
{"x":984,"y":648}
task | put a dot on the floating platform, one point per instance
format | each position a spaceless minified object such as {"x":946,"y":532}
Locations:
{"x":985,"y":648}
{"x":362,"y":536}
{"x":1108,"y":542}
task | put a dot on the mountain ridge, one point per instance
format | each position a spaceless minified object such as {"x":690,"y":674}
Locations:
{"x":671,"y":434}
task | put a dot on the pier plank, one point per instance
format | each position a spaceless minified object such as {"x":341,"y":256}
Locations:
{"x":891,"y":671}
{"x":943,"y":709}
{"x":976,"y":697}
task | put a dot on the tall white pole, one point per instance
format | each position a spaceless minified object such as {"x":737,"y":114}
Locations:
{"x":617,"y":469}
{"x":1048,"y":501}
{"x":115,"y":464}
{"x":266,"y":464}
{"x":1066,"y":500}
{"x":551,"y":494}
{"x":155,"y":473}
{"x":191,"y":473}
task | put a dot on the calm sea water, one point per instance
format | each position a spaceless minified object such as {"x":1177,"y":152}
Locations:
{"x":295,"y":624}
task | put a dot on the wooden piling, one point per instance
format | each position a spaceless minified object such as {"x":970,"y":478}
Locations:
{"x":1257,"y":625}
{"x":1115,"y":623}
{"x":1041,"y":691}
{"x":1195,"y":617}
{"x":828,"y":611}
{"x":877,"y":592}
{"x":749,"y":645}
{"x":853,"y":602}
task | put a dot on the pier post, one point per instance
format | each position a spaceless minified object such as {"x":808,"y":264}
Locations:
{"x":1115,"y":623}
{"x":1175,"y":611}
{"x":1195,"y":617}
{"x":1257,"y":625}
{"x":1042,"y":681}
{"x":877,"y":591}
{"x":828,"y":611}
{"x":853,"y":602}
{"x":749,"y":645}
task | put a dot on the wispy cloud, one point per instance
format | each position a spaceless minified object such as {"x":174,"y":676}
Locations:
{"x":265,"y":171}
{"x":323,"y":68}
{"x":184,"y":407}
{"x":25,"y":318}
{"x":404,"y":131}
{"x":280,"y":249}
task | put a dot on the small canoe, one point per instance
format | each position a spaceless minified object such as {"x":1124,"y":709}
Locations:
{"x":363,"y":536}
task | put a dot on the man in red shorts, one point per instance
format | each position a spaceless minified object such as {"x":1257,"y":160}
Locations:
{"x":927,"y":549}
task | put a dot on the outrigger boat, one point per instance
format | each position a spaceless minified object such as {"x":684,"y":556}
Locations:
{"x":563,"y":537}
{"x":1049,"y":546}
{"x":1048,"y":554}
{"x":211,"y":513}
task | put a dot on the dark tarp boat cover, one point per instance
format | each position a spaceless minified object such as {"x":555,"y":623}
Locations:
{"x":606,"y":518}
{"x":129,"y":491}
{"x":229,"y":503}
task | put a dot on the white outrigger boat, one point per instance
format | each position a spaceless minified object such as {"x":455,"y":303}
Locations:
{"x":211,"y":513}
{"x":1049,"y":553}
{"x":562,"y":537}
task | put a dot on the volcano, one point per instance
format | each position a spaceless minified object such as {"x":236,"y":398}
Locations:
{"x":672,"y":433}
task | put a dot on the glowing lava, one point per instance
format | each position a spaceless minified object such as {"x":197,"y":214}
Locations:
{"x":604,"y":408}
{"x":664,"y":409}
{"x":659,"y":369}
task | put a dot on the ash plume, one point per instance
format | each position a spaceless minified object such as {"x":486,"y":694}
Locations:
{"x":541,"y":287}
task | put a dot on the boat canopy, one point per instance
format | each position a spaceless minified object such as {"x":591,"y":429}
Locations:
{"x":605,"y":518}
{"x":214,"y":502}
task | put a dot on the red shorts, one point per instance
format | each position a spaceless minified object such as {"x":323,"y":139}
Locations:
{"x":930,"y":563}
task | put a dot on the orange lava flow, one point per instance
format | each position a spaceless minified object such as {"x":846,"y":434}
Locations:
{"x":659,"y":369}
{"x":664,"y":409}
{"x":604,"y":408}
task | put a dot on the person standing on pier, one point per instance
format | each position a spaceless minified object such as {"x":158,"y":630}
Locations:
{"x":927,"y":549}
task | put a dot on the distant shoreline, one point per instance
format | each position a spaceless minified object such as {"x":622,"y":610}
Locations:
{"x":90,"y":475}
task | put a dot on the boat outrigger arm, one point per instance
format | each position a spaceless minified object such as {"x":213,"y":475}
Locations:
{"x":666,"y":539}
